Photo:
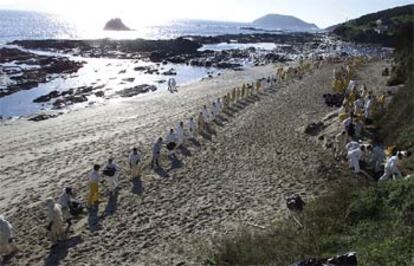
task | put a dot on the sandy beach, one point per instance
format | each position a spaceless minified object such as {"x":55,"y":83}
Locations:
{"x":256,"y":157}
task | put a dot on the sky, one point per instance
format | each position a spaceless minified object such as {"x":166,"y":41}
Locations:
{"x":323,"y":13}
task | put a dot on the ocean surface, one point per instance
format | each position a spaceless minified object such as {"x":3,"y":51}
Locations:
{"x":18,"y":25}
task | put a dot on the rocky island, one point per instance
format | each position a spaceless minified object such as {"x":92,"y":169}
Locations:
{"x":116,"y":24}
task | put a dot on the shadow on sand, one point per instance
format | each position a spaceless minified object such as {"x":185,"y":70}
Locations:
{"x":60,"y":250}
{"x":195,"y":142}
{"x":93,"y":219}
{"x":112,"y":204}
{"x":184,"y":151}
{"x":137,"y":186}
{"x":175,"y":163}
{"x":161,"y":172}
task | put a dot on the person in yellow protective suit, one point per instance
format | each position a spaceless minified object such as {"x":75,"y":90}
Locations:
{"x":258,"y":85}
{"x":233,"y":95}
{"x":200,"y":123}
{"x":224,"y":100}
{"x":94,"y":179}
{"x":381,"y":101}
{"x":243,"y":91}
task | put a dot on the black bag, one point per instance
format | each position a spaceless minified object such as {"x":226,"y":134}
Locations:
{"x":171,"y":146}
{"x":109,"y":171}
{"x":76,"y":208}
{"x":295,"y":203}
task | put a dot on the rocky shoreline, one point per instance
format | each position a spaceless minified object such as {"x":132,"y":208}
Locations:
{"x":183,"y":50}
{"x":27,"y":70}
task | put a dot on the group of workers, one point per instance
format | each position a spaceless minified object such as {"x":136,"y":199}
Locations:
{"x":62,"y":211}
{"x":355,"y":114}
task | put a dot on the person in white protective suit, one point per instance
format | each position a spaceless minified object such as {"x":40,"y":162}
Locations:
{"x":214,"y":110}
{"x":156,"y":152}
{"x":340,"y":142}
{"x":65,"y":200}
{"x":7,"y":244}
{"x":171,"y":141}
{"x":263,"y":84}
{"x":111,"y":171}
{"x":352,"y":146}
{"x":55,"y":221}
{"x":172,"y":85}
{"x":206,"y":116}
{"x":134,"y":159}
{"x":359,"y":105}
{"x":354,"y":156}
{"x":179,"y":132}
{"x":219,"y":105}
{"x":191,"y":128}
{"x":391,"y":167}
{"x":367,"y":107}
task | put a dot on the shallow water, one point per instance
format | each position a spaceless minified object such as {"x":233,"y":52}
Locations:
{"x":99,"y":72}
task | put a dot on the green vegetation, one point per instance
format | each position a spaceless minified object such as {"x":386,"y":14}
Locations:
{"x":366,"y":29}
{"x":376,"y":221}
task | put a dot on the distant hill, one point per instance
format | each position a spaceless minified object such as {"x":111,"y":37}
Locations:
{"x":116,"y":24}
{"x":378,"y":28}
{"x":283,"y":22}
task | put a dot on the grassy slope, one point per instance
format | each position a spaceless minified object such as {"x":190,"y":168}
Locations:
{"x":376,"y":222}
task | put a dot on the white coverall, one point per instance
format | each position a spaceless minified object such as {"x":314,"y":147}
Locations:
{"x":55,"y":216}
{"x":179,"y":131}
{"x":113,"y":180}
{"x":64,"y":201}
{"x":354,"y":156}
{"x":367,"y":109}
{"x":6,"y":234}
{"x":391,"y":169}
{"x":340,"y":142}
{"x":352,"y":146}
{"x":215,"y":110}
{"x":191,"y":128}
{"x":206,"y":116}
{"x":134,"y":160}
{"x":358,"y":105}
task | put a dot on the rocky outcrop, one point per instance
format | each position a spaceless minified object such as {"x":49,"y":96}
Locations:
{"x":313,"y":129}
{"x":24,"y":78}
{"x":42,"y":117}
{"x":47,"y":97}
{"x":116,"y":24}
{"x":130,"y":92}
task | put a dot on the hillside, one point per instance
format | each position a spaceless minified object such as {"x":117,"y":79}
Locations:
{"x":379,"y":28}
{"x":284,"y":22}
